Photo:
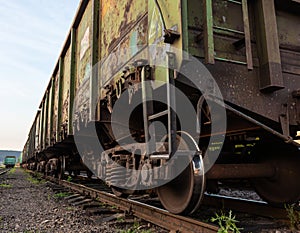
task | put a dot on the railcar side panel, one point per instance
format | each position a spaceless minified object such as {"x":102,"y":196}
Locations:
{"x":37,"y":130}
{"x":240,"y":86}
{"x":66,"y":89}
{"x":84,"y":41}
{"x":55,"y":107}
{"x":83,"y":45}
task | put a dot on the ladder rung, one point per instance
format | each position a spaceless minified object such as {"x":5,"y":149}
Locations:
{"x":157,"y":115}
{"x":236,"y":2}
{"x":162,"y":156}
{"x":165,"y":155}
{"x":228,"y":30}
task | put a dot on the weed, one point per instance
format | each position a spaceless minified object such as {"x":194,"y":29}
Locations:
{"x":34,"y":180}
{"x":70,"y":208}
{"x":11,"y":171}
{"x":226,"y":223}
{"x":120,"y":219}
{"x":61,"y":195}
{"x":294,"y":217}
{"x":136,"y":228}
{"x":69,"y":179}
{"x":6,"y":185}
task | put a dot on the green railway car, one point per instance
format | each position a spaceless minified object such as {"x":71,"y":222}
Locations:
{"x":250,"y":48}
{"x":10,"y":161}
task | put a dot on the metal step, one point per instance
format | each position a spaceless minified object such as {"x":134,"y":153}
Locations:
{"x":157,"y":115}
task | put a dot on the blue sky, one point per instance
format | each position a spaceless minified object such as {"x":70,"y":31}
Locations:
{"x":32,"y":33}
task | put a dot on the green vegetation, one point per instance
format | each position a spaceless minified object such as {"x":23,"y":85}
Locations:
{"x":120,"y":219}
{"x":34,"y":180}
{"x":226,"y":223}
{"x":69,"y":179}
{"x":294,"y":217}
{"x":136,"y":228}
{"x":61,"y":195}
{"x":11,"y":171}
{"x":6,"y":185}
{"x":70,"y":208}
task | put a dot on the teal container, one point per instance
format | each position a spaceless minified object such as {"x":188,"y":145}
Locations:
{"x":9,"y":161}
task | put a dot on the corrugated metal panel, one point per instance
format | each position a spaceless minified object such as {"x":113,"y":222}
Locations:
{"x":83,"y":45}
{"x":55,"y":107}
{"x":66,"y":86}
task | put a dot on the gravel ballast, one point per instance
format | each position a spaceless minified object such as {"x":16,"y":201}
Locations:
{"x":30,"y":206}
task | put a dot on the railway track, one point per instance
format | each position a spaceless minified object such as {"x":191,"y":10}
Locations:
{"x":157,"y":216}
{"x":148,"y":209}
{"x":3,"y":171}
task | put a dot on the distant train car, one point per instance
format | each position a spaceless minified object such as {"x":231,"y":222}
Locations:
{"x":250,"y":48}
{"x":10,"y":161}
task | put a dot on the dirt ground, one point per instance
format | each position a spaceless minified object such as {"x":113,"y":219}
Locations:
{"x":29,"y":206}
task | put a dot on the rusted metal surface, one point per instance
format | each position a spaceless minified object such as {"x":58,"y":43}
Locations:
{"x":233,"y":171}
{"x":208,"y":33}
{"x":45,"y":120}
{"x":59,"y":101}
{"x":117,"y":20}
{"x":51,"y":112}
{"x":131,"y":44}
{"x":72,"y":82}
{"x":235,"y":82}
{"x":268,"y":46}
{"x":65,"y":88}
{"x":94,"y":60}
{"x":55,"y":107}
{"x":151,"y":214}
{"x":83,"y":45}
{"x":36,"y":130}
{"x":247,"y":35}
{"x":258,"y":208}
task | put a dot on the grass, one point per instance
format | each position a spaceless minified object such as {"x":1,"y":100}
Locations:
{"x":293,"y":216}
{"x":12,"y":171}
{"x":226,"y":223}
{"x":61,"y":195}
{"x":69,"y":179}
{"x":70,"y":208}
{"x":35,"y":180}
{"x":6,"y":185}
{"x":136,"y":228}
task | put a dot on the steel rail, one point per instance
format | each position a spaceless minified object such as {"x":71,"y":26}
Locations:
{"x":4,"y":171}
{"x":159,"y":217}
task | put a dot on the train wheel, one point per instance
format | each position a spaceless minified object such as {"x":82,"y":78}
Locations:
{"x":184,"y":194}
{"x":120,"y":192}
{"x":284,"y":186}
{"x":89,"y":174}
{"x":61,"y":167}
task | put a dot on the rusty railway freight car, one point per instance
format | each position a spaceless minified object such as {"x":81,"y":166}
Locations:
{"x":250,"y":48}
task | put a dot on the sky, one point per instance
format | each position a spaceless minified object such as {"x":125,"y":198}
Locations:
{"x":32,"y":33}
